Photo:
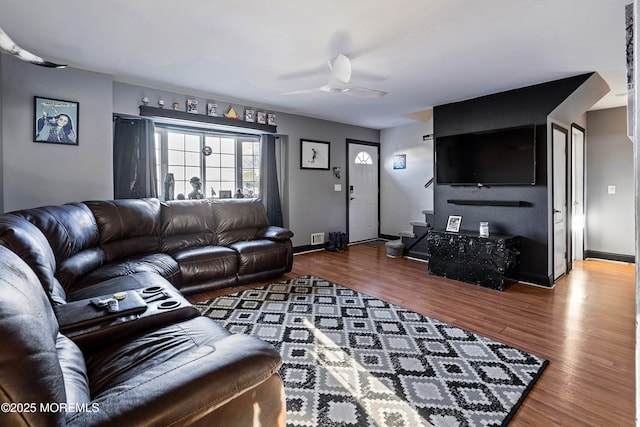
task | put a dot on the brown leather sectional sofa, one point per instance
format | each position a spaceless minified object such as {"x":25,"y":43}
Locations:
{"x":66,"y":361}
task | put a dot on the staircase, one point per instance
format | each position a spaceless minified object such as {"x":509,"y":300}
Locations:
{"x":415,"y":241}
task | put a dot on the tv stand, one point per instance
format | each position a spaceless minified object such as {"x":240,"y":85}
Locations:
{"x":491,"y":261}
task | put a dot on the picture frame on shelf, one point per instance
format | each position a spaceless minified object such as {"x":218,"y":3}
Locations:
{"x":192,"y":106}
{"x":56,"y":121}
{"x":225,"y":194}
{"x":271,"y":119}
{"x":261,"y":118}
{"x":249,"y":115}
{"x":212,"y":109}
{"x":453,"y":223}
{"x":314,"y":154}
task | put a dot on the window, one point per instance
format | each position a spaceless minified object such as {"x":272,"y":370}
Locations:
{"x":363,"y":158}
{"x":234,"y":161}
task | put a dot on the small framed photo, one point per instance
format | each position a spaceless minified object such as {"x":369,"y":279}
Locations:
{"x":453,"y":224}
{"x":271,"y":119}
{"x":192,"y":106}
{"x":314,"y":154}
{"x":56,"y":121}
{"x":400,"y":161}
{"x":261,"y":117}
{"x":212,"y":109}
{"x":249,"y":115}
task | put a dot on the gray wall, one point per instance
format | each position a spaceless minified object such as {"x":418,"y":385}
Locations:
{"x":314,"y":206}
{"x":402,"y":193}
{"x":609,"y":217}
{"x":36,"y":174}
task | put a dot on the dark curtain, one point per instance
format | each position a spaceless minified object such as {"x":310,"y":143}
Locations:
{"x":269,"y":180}
{"x":134,"y":158}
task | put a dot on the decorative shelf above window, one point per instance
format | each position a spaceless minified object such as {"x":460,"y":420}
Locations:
{"x":183,"y":116}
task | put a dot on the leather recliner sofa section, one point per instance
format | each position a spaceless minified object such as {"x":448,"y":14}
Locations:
{"x":197,"y":245}
{"x":154,"y":367}
{"x":191,"y":372}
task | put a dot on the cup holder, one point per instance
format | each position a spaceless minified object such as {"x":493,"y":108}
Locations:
{"x":152,"y":290}
{"x":168,"y":304}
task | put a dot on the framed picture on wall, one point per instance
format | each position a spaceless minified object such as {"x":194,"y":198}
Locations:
{"x":56,"y":121}
{"x":314,"y":154}
{"x":400,"y":161}
{"x":453,"y":224}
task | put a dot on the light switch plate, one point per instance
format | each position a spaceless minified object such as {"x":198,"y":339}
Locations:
{"x":337,"y":187}
{"x":611,"y":189}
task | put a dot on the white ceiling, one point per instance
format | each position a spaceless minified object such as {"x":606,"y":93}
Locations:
{"x":423,"y":52}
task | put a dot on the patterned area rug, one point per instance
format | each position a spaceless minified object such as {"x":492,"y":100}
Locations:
{"x":354,"y":360}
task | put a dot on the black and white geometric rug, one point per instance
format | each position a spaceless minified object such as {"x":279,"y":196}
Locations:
{"x":354,"y":360}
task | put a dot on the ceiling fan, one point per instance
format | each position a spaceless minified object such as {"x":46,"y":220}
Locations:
{"x":340,"y":67}
{"x":7,"y":45}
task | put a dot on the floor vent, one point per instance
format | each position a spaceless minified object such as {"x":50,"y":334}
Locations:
{"x":317,"y":238}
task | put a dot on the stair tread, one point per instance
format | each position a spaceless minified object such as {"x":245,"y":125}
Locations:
{"x":409,"y":234}
{"x":419,"y":223}
{"x":427,"y":212}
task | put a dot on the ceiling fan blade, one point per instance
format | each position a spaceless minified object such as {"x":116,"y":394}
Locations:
{"x":340,"y":68}
{"x":8,"y":45}
{"x":303,"y":91}
{"x":362,"y":92}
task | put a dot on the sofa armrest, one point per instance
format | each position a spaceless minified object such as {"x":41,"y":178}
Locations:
{"x":275,"y":233}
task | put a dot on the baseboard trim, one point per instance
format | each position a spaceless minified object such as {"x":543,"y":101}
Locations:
{"x":309,"y":248}
{"x":631,"y":259}
{"x":535,"y":279}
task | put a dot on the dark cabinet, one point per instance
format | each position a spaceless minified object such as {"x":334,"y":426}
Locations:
{"x":486,"y":261}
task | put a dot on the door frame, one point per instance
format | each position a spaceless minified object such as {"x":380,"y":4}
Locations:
{"x":583,"y":187}
{"x":569,"y":211}
{"x":347,"y":167}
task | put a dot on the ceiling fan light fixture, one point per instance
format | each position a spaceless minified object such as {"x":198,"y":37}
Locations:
{"x":339,"y":81}
{"x":340,"y":67}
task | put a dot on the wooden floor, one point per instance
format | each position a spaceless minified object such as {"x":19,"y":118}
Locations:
{"x":584,"y":326}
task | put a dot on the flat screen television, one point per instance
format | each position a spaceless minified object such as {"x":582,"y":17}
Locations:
{"x":497,"y":157}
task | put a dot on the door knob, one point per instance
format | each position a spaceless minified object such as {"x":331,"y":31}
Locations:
{"x":351,"y":198}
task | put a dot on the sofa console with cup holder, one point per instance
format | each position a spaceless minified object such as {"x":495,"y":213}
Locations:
{"x":94,"y":322}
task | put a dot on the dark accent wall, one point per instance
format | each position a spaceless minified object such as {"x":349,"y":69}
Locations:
{"x":530,"y":218}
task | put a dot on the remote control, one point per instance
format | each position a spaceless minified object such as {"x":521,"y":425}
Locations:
{"x":113,"y":306}
{"x":100,"y":303}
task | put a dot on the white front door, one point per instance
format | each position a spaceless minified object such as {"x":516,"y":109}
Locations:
{"x":363,"y":192}
{"x":559,"y":202}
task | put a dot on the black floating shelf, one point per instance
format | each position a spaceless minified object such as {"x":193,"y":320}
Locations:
{"x":201,"y":118}
{"x":488,"y":202}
